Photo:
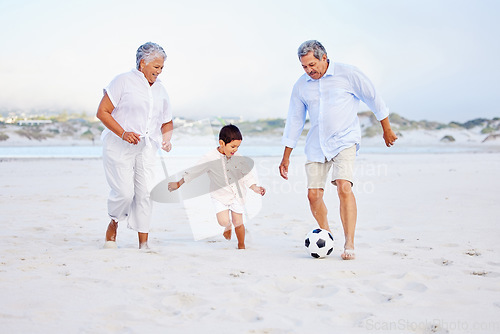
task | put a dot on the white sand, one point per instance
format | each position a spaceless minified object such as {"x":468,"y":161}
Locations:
{"x":427,"y":255}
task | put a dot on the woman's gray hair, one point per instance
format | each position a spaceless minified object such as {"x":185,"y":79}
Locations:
{"x":149,"y":51}
{"x":313,"y":45}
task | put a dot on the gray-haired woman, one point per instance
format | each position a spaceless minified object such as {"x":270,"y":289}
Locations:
{"x":137,"y":114}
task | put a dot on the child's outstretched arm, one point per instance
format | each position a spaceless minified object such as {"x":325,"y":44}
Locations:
{"x":175,"y":185}
{"x":259,"y":190}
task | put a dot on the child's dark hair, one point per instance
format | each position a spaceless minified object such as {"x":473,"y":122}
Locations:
{"x":230,"y":132}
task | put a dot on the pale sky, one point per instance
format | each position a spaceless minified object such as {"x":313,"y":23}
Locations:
{"x":429,"y":59}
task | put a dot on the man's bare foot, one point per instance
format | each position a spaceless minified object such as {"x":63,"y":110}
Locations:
{"x":111,"y":231}
{"x":227,"y":234}
{"x":241,"y":246}
{"x":348,"y":254}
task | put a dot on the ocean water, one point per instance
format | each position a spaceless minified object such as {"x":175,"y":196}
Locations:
{"x":246,"y":150}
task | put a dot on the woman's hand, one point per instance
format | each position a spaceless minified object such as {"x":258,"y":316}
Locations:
{"x":131,"y":137}
{"x":166,"y":146}
{"x":166,"y":134}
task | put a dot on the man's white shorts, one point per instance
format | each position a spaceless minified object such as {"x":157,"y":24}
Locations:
{"x":343,"y":169}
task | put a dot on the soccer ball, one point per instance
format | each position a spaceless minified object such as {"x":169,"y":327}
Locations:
{"x":319,"y":243}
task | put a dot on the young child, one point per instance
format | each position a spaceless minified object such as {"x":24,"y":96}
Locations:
{"x":230,"y":175}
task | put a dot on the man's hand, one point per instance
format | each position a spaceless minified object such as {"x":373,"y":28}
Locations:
{"x":389,"y":137}
{"x":285,"y":162}
{"x":284,"y":168}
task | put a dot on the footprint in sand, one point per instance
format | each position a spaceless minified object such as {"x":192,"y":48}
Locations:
{"x":398,"y":240}
{"x":183,"y":299}
{"x":473,"y":252}
{"x":417,"y":287}
{"x":443,"y":262}
{"x":382,"y":228}
{"x":451,"y":245}
{"x":357,"y":318}
{"x":400,"y":254}
{"x":485,"y":273}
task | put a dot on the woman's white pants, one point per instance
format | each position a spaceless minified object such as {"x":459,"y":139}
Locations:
{"x":129,"y":171}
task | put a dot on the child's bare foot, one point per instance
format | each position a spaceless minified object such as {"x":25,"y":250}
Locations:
{"x":240,"y":234}
{"x":227,"y":234}
{"x":111,"y":231}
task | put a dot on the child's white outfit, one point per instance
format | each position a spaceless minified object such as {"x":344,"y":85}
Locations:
{"x":229,"y":179}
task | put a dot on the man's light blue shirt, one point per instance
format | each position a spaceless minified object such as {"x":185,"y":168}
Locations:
{"x":333,"y":103}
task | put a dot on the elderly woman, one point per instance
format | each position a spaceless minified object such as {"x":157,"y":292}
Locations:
{"x":136,"y":111}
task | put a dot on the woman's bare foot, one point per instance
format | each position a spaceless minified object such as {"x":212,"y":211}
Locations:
{"x":241,"y":245}
{"x":143,"y":240}
{"x":227,"y":233}
{"x":111,"y":231}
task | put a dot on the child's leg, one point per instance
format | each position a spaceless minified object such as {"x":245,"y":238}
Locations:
{"x":239,"y":228}
{"x":223,"y":220}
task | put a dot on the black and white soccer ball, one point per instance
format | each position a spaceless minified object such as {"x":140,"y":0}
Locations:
{"x":319,"y":243}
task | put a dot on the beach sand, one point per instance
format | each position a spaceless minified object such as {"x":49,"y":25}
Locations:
{"x":426,"y":245}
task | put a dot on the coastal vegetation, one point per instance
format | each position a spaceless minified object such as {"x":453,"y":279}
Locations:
{"x":80,"y":126}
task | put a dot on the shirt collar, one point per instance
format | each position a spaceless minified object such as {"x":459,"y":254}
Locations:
{"x":141,"y":75}
{"x":329,"y":72}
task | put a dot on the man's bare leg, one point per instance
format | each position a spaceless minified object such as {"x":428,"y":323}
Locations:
{"x":239,"y":229}
{"x":223,"y":220}
{"x":143,"y":240}
{"x":348,"y":215}
{"x":111,"y":231}
{"x":318,"y":207}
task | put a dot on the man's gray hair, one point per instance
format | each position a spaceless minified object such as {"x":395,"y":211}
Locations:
{"x":316,"y":47}
{"x":149,"y":51}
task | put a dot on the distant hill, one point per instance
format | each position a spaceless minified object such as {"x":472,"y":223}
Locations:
{"x":70,"y":129}
{"x":474,"y":131}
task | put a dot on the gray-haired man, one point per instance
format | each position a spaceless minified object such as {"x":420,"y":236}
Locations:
{"x":330,"y":92}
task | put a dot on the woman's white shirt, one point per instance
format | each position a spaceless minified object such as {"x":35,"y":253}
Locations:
{"x":138,"y":106}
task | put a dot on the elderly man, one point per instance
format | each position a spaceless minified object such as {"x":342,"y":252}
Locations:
{"x":330,"y":92}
